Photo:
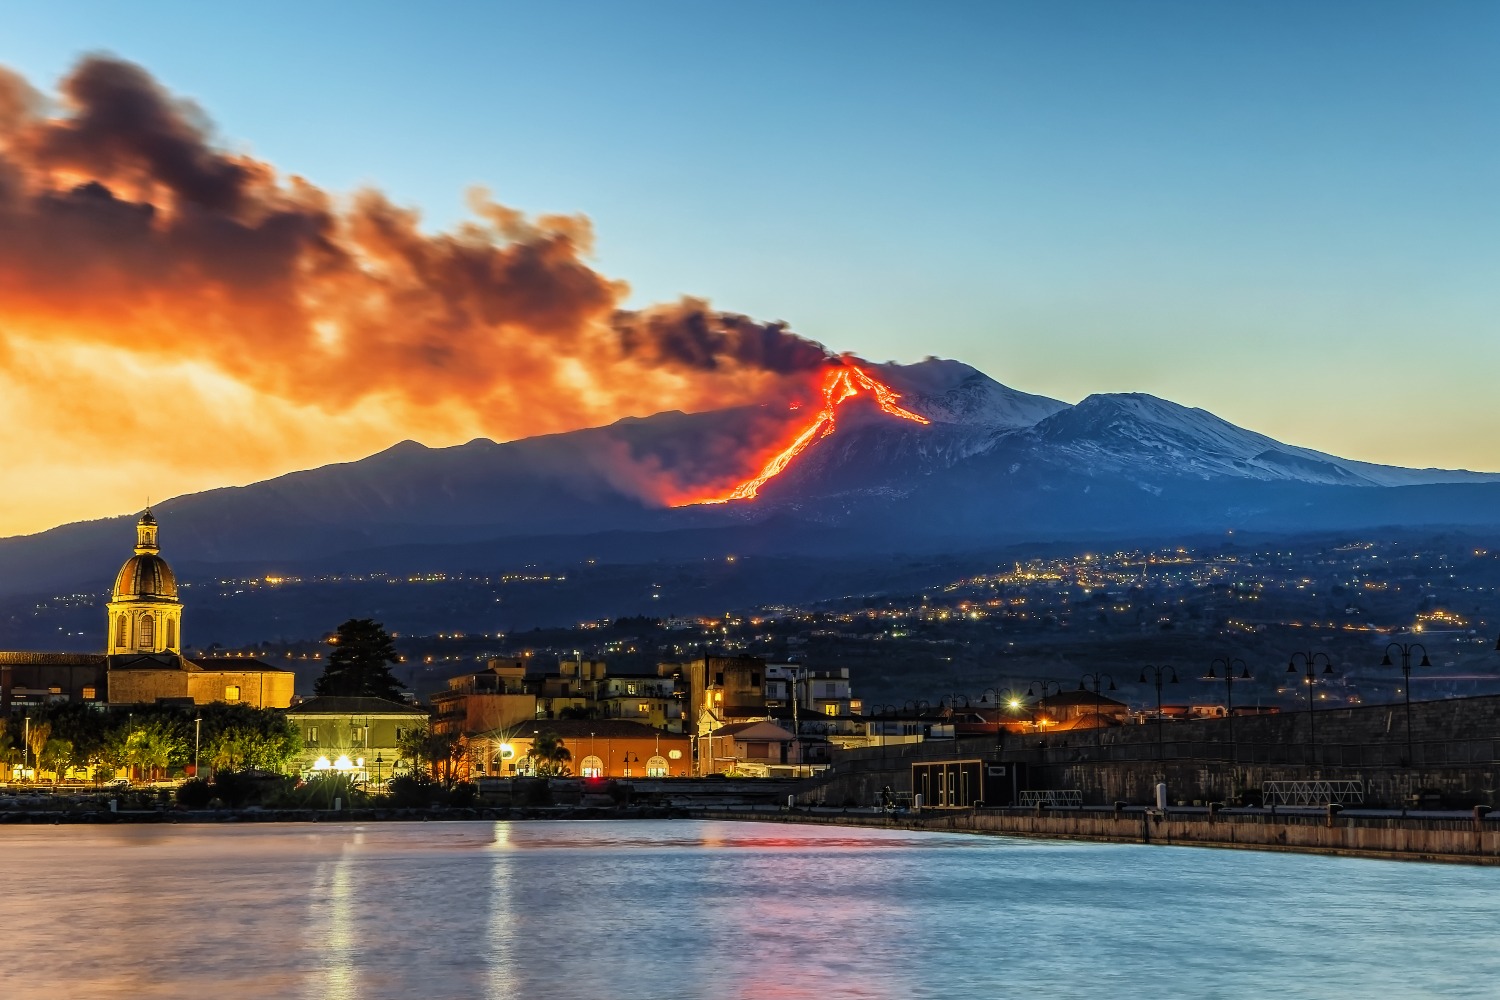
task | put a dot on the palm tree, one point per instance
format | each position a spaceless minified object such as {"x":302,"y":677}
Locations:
{"x":36,"y":741}
{"x":548,"y":755}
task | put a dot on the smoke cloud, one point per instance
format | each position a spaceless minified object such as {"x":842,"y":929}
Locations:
{"x":128,"y":231}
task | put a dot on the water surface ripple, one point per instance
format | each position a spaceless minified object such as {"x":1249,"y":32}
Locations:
{"x":619,"y":910}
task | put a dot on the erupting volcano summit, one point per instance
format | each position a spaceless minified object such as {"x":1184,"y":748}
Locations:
{"x":841,"y":382}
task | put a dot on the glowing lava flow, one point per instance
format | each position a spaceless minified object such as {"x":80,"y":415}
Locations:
{"x":839,"y":384}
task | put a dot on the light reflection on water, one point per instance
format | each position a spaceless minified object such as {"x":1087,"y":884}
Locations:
{"x":529,"y":911}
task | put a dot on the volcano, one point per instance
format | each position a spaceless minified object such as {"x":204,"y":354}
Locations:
{"x":933,"y":457}
{"x":841,"y":383}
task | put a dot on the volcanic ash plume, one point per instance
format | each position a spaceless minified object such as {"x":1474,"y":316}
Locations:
{"x":130,"y":238}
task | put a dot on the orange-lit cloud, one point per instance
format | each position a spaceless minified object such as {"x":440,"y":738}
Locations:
{"x":174,"y":316}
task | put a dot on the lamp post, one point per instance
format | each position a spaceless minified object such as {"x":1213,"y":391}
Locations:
{"x":197,"y":742}
{"x":1309,"y":667}
{"x":1405,"y":649}
{"x":1159,"y":675}
{"x":1097,"y":679}
{"x":379,"y":766}
{"x":628,"y":758}
{"x":1049,"y":689}
{"x":1229,"y":665}
{"x":1000,"y":705}
{"x":25,"y":747}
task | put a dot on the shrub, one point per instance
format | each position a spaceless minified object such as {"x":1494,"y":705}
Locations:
{"x":194,"y":794}
{"x":412,"y":791}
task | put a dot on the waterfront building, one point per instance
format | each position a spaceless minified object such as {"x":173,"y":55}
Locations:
{"x":143,"y":660}
{"x":358,"y":736}
{"x":600,"y":748}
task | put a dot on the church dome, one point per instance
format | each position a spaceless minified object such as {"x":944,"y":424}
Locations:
{"x":146,"y":576}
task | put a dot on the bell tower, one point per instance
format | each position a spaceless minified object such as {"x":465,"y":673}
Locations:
{"x":145,"y":614}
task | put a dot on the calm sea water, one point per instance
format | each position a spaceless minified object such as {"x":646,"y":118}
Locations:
{"x":717,"y":910}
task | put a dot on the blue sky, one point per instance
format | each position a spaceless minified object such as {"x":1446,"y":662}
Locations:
{"x":1284,"y":213}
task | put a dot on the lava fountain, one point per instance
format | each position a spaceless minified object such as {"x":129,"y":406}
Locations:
{"x":840,"y":382}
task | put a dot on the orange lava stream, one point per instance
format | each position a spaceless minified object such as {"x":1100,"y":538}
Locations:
{"x":840,"y":383}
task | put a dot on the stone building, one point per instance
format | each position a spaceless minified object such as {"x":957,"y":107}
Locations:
{"x":360,"y":736}
{"x":142,"y":661}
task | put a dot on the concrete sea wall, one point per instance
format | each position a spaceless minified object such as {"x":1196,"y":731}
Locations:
{"x":1468,"y":840}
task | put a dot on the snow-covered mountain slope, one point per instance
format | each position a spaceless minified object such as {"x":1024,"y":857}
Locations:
{"x":1136,"y":434}
{"x":951,"y":392}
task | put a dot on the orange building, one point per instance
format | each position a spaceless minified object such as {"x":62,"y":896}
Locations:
{"x":602,"y":748}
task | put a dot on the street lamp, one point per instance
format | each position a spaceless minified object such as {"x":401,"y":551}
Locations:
{"x":1159,"y":674}
{"x":1050,"y":689}
{"x":1310,"y":668}
{"x":1405,"y":650}
{"x":628,"y":758}
{"x":197,"y":741}
{"x":1229,"y":665}
{"x":1097,"y":679}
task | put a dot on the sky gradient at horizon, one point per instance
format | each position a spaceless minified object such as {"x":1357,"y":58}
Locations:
{"x":1282,"y":213}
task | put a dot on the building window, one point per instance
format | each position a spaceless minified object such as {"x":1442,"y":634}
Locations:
{"x":630,"y":689}
{"x":89,"y":694}
{"x":148,"y":632}
{"x":643,"y":709}
{"x":312,"y":736}
{"x":232,"y":693}
{"x":592,"y":767}
{"x":656,"y":767}
{"x":122,"y":631}
{"x":830,"y":710}
{"x":171,"y":633}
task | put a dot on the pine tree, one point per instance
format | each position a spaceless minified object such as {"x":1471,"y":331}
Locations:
{"x":358,"y":664}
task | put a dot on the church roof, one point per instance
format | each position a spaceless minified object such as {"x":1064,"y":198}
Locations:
{"x":335,"y":705}
{"x":236,"y":664}
{"x":146,"y":576}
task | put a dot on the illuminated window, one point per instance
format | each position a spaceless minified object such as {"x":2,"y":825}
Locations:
{"x":171,"y":633}
{"x":830,"y":710}
{"x":232,"y":693}
{"x":312,"y":735}
{"x":148,"y":632}
{"x":122,"y":631}
{"x":642,"y":708}
{"x":88,"y":694}
{"x":592,"y":767}
{"x":656,"y":767}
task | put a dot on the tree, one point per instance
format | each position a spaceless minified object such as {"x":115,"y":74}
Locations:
{"x":549,"y":758}
{"x":36,"y":741}
{"x":56,"y":756}
{"x":358,"y":664}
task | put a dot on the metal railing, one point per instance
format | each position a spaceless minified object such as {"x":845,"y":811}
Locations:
{"x":1070,"y":798}
{"x":1312,"y":793}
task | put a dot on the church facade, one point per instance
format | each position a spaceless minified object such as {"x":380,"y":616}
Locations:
{"x":143,"y":661}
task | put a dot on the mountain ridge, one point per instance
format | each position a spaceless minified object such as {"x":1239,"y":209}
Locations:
{"x":995,"y":465}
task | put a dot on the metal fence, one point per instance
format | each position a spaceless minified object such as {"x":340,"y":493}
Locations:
{"x":1065,"y":797}
{"x":1312,"y":793}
